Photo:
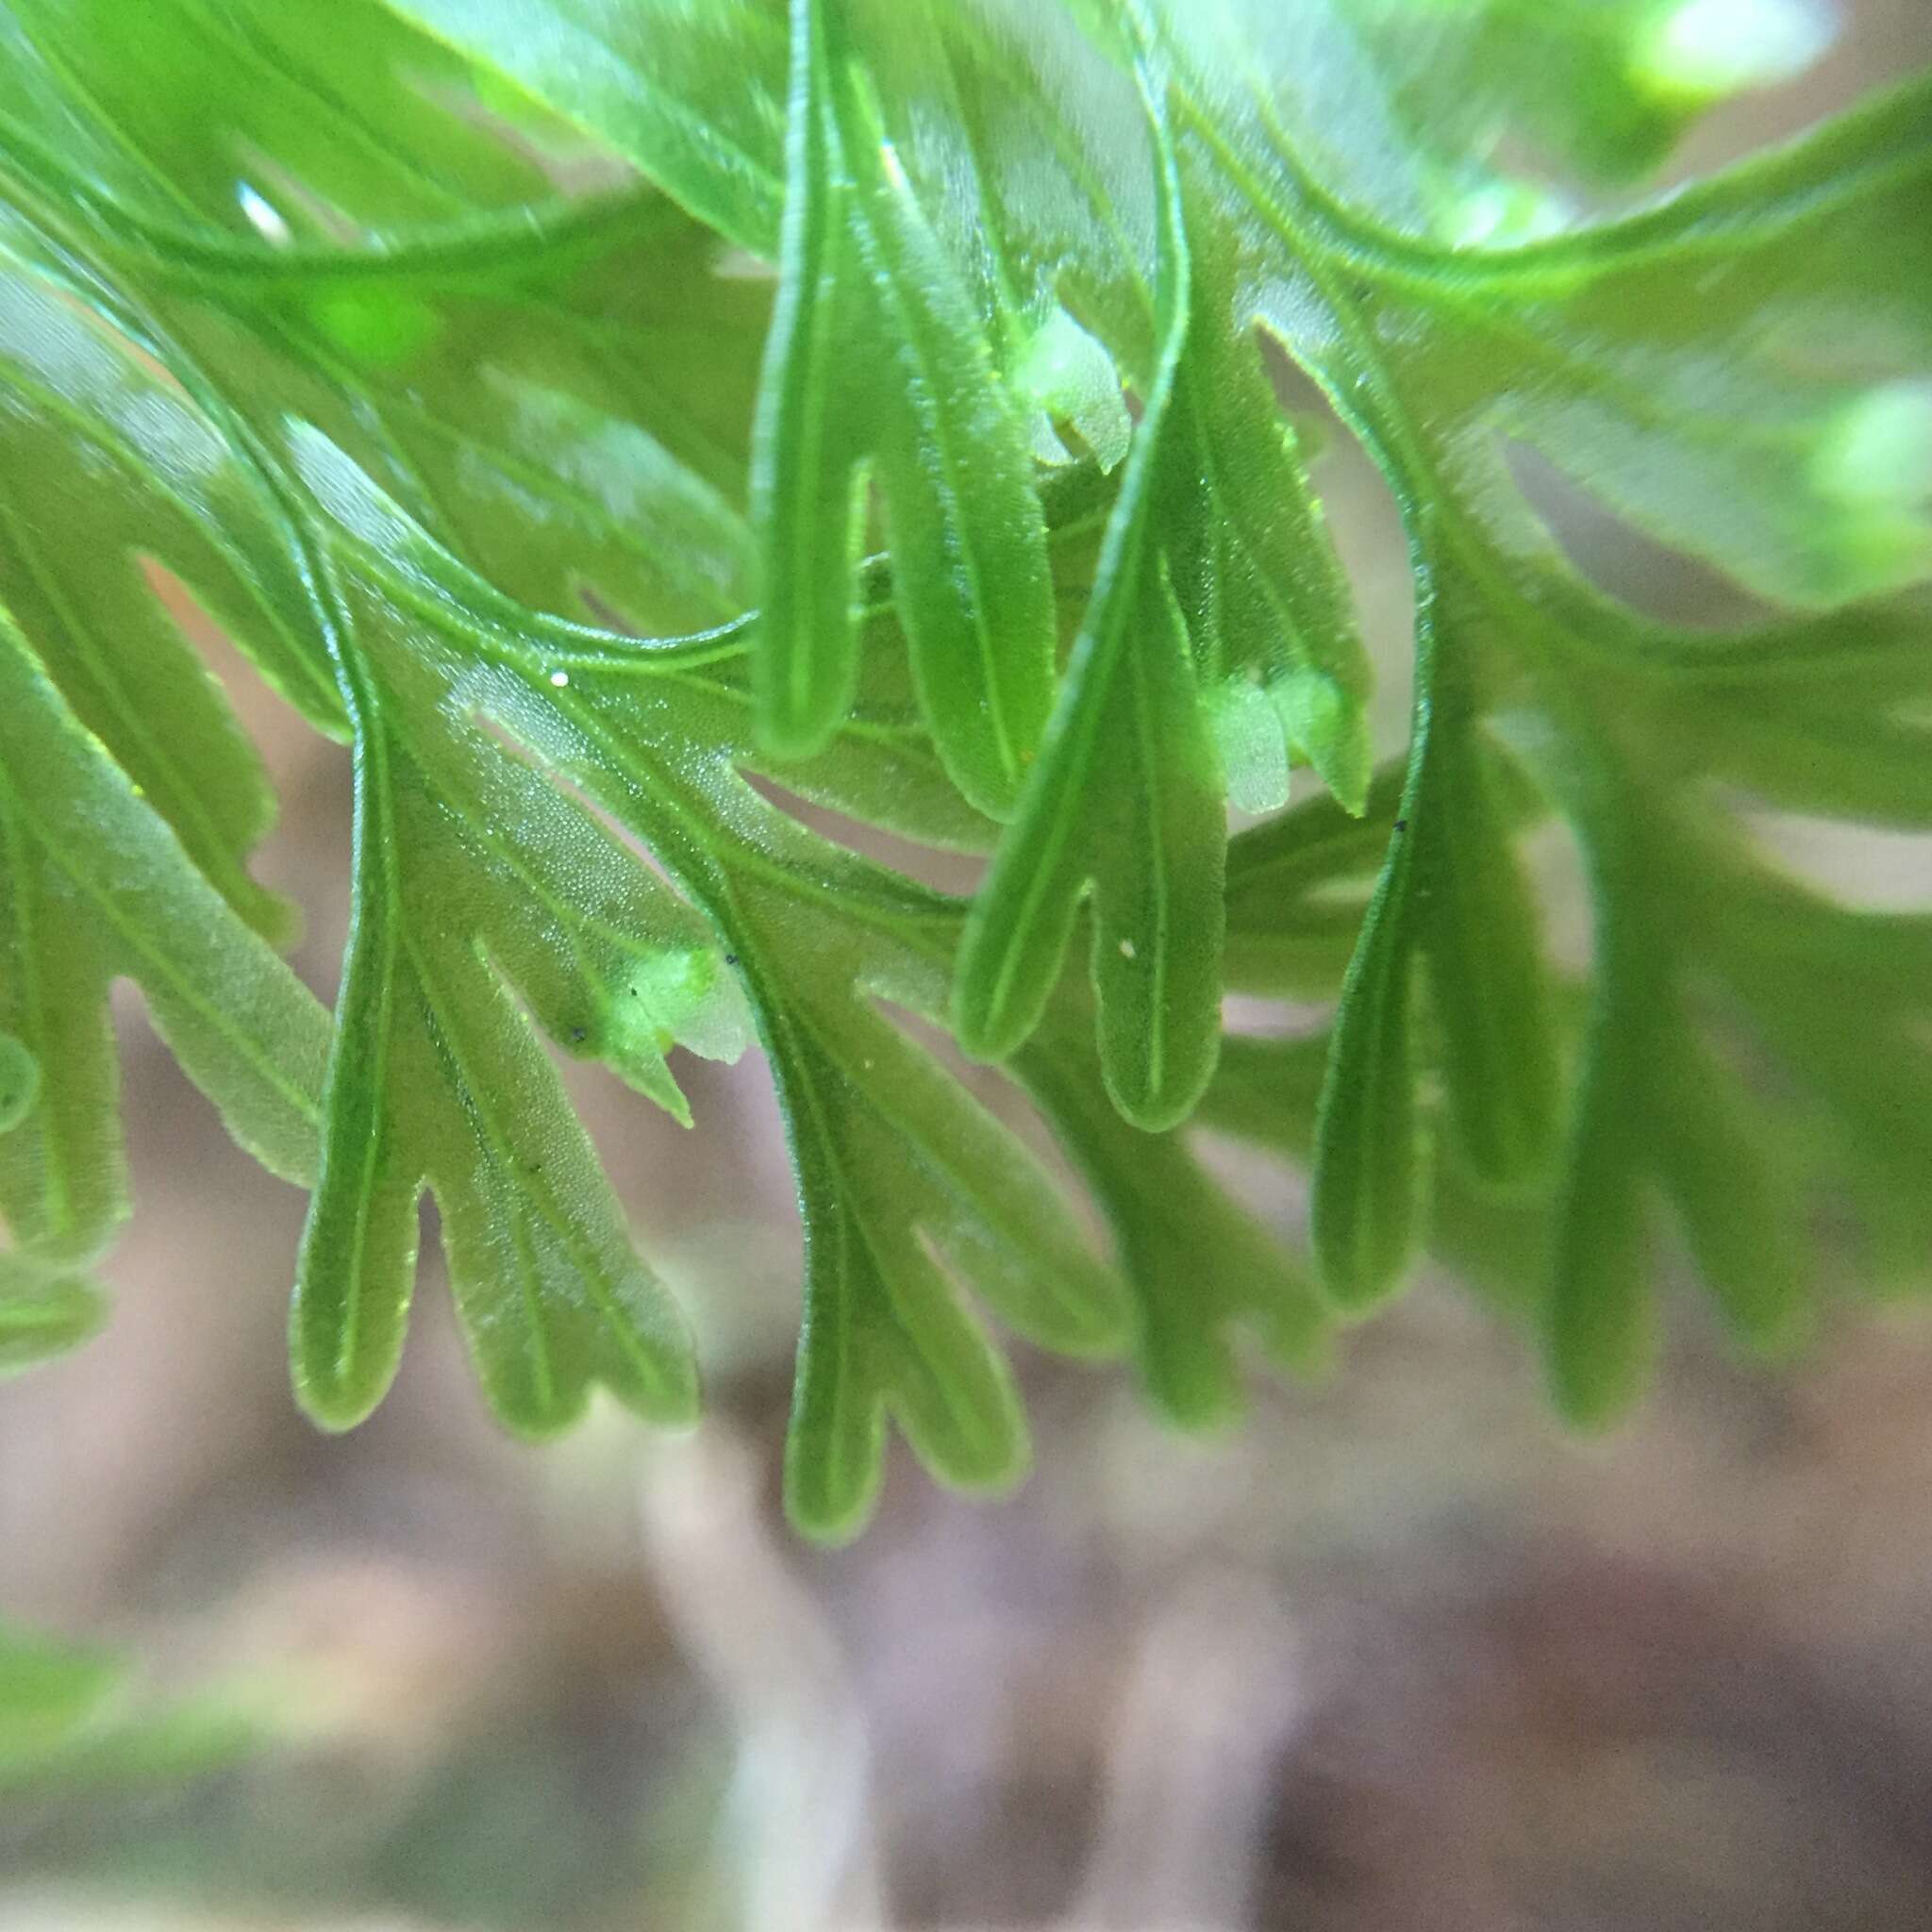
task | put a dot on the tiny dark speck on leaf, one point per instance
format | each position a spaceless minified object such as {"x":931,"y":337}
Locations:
{"x":731,"y":959}
{"x":578,"y":1032}
{"x":1402,"y":824}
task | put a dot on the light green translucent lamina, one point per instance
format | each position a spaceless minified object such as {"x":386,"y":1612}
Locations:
{"x":618,"y":424}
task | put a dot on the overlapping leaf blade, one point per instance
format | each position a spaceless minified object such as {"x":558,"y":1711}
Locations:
{"x":1125,"y":796}
{"x":861,"y":263}
{"x":1267,"y":609}
{"x":96,"y":885}
{"x":131,"y":800}
{"x":329,"y":309}
{"x":696,"y":100}
{"x":1202,"y":1269}
{"x":876,"y":364}
{"x":900,"y":1171}
{"x":436,"y":1078}
{"x":903,"y":1176}
{"x":1337,"y":275}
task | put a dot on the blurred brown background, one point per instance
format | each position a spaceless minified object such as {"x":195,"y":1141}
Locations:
{"x":1398,"y":1655}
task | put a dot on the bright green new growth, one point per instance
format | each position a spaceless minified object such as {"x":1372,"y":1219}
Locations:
{"x":573,"y":404}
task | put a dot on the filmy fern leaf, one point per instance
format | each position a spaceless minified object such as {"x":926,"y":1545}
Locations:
{"x":584,"y":410}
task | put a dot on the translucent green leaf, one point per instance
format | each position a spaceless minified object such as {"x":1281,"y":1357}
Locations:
{"x":1266,"y":604}
{"x":1794,"y":258}
{"x":1601,"y":1314}
{"x":696,"y":100}
{"x":1067,"y":373}
{"x":430,"y":347}
{"x":865,"y":288}
{"x":1450,"y":894}
{"x":1784,"y":462}
{"x":82,"y":500}
{"x":1839,"y":999}
{"x":564,"y":431}
{"x":812,"y":427}
{"x":905,"y":1182}
{"x":1481,"y":940}
{"x":175,"y":106}
{"x":43,"y":1315}
{"x":1740,"y":1193}
{"x":95,"y":886}
{"x":1658,"y":1112}
{"x":436,"y":1078}
{"x":1267,"y":1091}
{"x":903,"y":1176}
{"x":1608,"y":86}
{"x":1201,"y":1268}
{"x":1126,"y":797}
{"x":1292,"y":910}
{"x":1365,"y":1211}
{"x":110,"y":469}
